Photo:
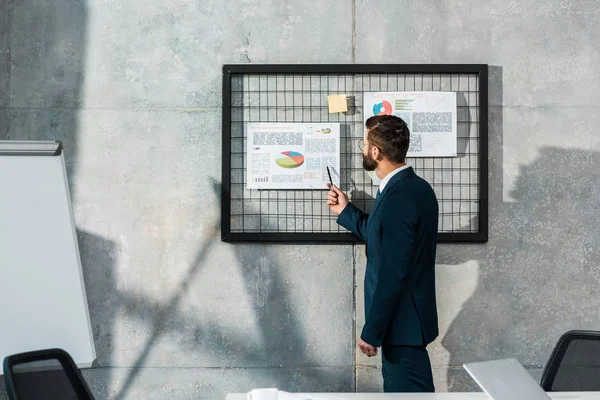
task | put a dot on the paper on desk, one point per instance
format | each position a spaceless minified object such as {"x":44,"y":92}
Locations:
{"x":271,"y":393}
{"x":281,"y":395}
{"x":263,"y":394}
{"x":337,"y":103}
{"x":323,"y":397}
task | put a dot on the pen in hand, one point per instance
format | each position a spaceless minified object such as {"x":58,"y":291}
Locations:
{"x":330,"y":181}
{"x":336,"y":199}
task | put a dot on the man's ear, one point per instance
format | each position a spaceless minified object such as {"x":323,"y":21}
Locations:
{"x":377,"y":154}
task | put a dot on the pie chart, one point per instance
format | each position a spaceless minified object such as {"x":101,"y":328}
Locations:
{"x":290,"y":159}
{"x":383,"y":108}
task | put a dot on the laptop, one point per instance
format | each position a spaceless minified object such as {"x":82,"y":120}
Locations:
{"x":505,"y":380}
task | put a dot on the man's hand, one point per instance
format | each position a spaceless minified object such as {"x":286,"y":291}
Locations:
{"x":336,"y":200}
{"x":366,"y":348}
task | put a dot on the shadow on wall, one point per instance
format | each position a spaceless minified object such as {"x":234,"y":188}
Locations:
{"x":47,"y":46}
{"x":268,"y":293}
{"x":541,"y":278}
{"x":99,"y":259}
{"x":538,"y":277}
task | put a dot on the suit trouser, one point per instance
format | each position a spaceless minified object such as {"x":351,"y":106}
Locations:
{"x":406,"y":369}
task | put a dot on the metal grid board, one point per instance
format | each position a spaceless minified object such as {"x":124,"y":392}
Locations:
{"x":298,"y":93}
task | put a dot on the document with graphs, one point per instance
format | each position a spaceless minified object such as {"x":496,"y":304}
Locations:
{"x":292,"y":155}
{"x":430,"y":116}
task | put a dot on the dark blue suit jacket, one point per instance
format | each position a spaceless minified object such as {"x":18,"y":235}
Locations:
{"x":400,"y":235}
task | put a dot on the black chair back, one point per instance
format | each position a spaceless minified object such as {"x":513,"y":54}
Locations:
{"x":574,"y":365}
{"x":46,"y":374}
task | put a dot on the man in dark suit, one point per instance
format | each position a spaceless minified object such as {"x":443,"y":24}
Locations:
{"x":400,"y":235}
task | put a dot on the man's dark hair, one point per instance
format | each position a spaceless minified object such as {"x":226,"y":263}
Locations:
{"x":391,"y":135}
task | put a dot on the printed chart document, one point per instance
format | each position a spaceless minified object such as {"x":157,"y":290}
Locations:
{"x":292,"y":155}
{"x":430,"y":116}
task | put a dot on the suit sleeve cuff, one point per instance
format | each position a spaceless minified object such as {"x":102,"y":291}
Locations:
{"x":344,"y":219}
{"x":372,"y":337}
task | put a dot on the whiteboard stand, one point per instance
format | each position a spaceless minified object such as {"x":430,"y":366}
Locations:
{"x":44,"y":303}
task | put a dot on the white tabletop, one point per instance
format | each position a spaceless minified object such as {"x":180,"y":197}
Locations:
{"x":421,"y":396}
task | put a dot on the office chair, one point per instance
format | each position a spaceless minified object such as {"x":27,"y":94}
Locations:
{"x":574,"y":365}
{"x":45,"y":374}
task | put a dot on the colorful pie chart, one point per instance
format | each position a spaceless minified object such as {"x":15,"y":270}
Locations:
{"x":383,"y":108}
{"x":290,"y":159}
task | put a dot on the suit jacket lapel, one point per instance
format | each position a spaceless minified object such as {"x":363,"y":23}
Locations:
{"x":396,"y":178}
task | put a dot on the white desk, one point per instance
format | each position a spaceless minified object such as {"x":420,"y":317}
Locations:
{"x":422,"y":396}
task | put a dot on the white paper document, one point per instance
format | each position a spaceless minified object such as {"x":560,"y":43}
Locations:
{"x":430,"y":116}
{"x":292,"y":155}
{"x":274,"y":394}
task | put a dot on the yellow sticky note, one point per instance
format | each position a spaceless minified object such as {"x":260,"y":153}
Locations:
{"x":337,"y":103}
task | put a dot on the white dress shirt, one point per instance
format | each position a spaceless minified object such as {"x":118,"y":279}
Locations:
{"x":389,"y":176}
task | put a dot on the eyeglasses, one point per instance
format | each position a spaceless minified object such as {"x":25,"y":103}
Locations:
{"x":361,"y":144}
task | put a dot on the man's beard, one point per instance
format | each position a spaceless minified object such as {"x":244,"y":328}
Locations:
{"x":369,"y":163}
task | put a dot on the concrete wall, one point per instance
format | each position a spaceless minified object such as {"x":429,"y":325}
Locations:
{"x":133,"y":89}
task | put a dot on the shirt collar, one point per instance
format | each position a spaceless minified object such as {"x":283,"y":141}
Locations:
{"x":389,"y":176}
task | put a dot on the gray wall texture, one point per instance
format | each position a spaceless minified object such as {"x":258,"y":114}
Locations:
{"x":133,"y":89}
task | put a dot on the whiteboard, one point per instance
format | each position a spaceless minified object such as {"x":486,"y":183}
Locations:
{"x":42,"y":293}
